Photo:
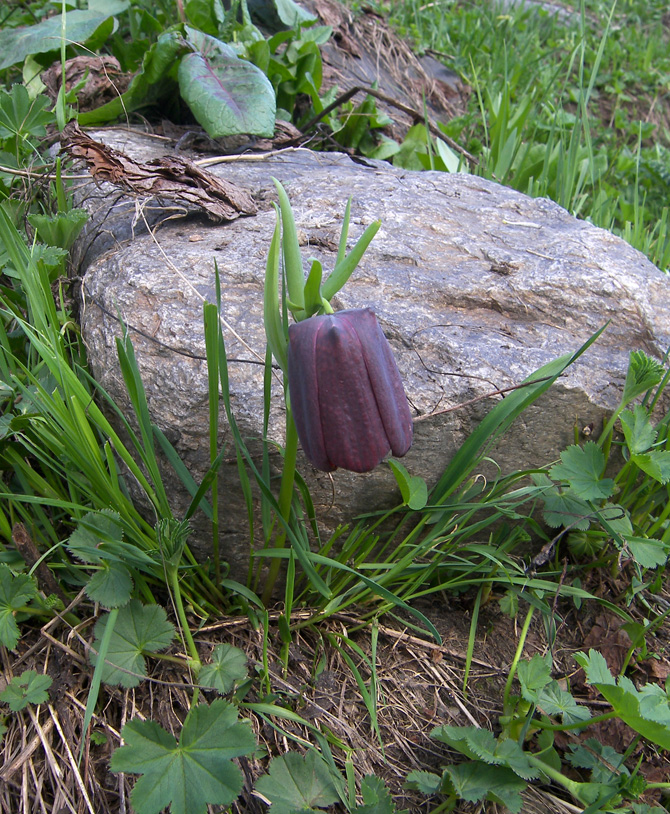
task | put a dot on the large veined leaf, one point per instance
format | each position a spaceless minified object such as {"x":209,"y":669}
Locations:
{"x":18,"y":43}
{"x":226,"y":94}
{"x":192,"y":773}
{"x":298,"y":783}
{"x":582,"y":468}
{"x":138,"y":629}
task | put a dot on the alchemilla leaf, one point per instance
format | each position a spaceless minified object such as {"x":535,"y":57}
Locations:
{"x":376,"y":797}
{"x":476,"y":781}
{"x":28,"y":688}
{"x":643,"y":373}
{"x":648,"y":552}
{"x":553,"y":700}
{"x":637,"y":429}
{"x":533,"y":675}
{"x":15,"y":592}
{"x":111,"y":585}
{"x":656,"y":464}
{"x":229,"y":665}
{"x":566,"y":509}
{"x":189,"y":774}
{"x":647,"y":710}
{"x":297,"y":783}
{"x":582,"y":468}
{"x":138,"y":629}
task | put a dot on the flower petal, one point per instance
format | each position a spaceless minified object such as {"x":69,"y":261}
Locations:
{"x":385,"y":380}
{"x":347,"y":397}
{"x":353,"y":431}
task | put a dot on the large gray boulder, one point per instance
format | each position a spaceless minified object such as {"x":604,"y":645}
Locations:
{"x":475,"y":286}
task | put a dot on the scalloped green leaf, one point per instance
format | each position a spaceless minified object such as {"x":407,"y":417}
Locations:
{"x":643,"y":373}
{"x":111,"y":585}
{"x":637,"y":429}
{"x":656,"y":464}
{"x":534,"y":674}
{"x":139,"y":629}
{"x":582,"y":468}
{"x":647,"y":551}
{"x":476,"y":781}
{"x":376,"y":797}
{"x":553,"y":700}
{"x":298,"y":783}
{"x":188,"y":775}
{"x":28,"y":688}
{"x":646,"y":711}
{"x":229,"y":665}
{"x":15,"y":591}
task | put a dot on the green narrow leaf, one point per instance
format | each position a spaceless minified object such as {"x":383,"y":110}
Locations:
{"x":293,"y":269}
{"x":274,"y":326}
{"x":313,"y":300}
{"x":497,"y":420}
{"x":344,"y":233}
{"x":345,"y":268}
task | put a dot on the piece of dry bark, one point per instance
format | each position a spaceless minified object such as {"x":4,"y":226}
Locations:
{"x":172,"y":177}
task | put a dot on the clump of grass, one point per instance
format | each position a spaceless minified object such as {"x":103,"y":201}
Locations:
{"x":569,"y":106}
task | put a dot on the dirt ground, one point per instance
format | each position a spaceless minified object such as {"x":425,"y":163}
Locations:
{"x":420,"y":686}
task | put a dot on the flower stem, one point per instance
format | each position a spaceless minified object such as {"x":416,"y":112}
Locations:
{"x":195,"y":663}
{"x":517,"y":656}
{"x":285,"y":499}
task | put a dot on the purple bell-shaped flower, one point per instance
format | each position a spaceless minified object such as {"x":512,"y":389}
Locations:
{"x":347,"y":398}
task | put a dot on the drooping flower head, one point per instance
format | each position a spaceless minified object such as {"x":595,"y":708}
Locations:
{"x":346,"y":394}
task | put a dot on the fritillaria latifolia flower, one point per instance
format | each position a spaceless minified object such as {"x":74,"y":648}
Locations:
{"x":347,"y":397}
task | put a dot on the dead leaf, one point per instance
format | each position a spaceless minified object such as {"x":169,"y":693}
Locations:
{"x":100,"y":79}
{"x":172,"y":177}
